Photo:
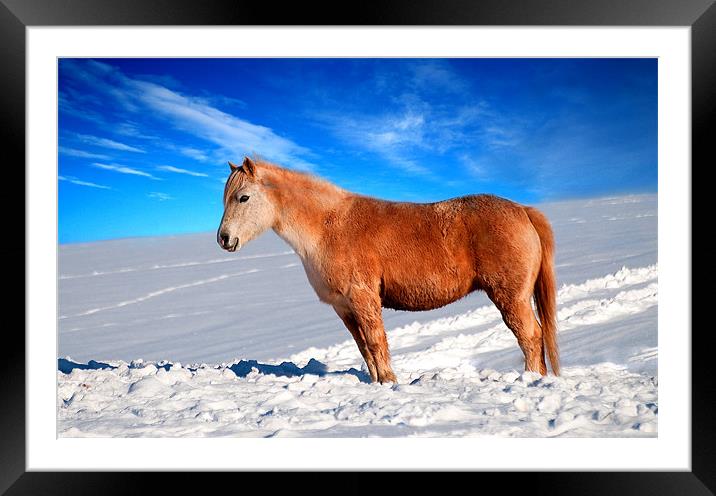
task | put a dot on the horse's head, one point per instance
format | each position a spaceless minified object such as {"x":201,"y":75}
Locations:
{"x":248,"y":210}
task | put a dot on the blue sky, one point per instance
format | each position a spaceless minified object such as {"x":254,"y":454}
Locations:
{"x":143,"y":143}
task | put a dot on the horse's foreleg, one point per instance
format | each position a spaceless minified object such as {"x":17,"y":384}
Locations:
{"x":351,"y":324}
{"x":366,"y":309}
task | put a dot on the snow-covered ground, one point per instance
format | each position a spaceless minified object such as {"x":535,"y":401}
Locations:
{"x":260,"y":356}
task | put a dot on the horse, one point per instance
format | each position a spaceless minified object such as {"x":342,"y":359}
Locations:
{"x":361,"y":254}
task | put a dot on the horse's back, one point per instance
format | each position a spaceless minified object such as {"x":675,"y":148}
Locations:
{"x":450,"y":227}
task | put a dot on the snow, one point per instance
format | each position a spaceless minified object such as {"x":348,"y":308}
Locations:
{"x":262,"y":357}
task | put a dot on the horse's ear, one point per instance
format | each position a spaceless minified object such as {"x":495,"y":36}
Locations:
{"x":233,"y":165}
{"x":249,"y":167}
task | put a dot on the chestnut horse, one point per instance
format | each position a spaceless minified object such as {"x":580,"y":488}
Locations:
{"x":362,"y":253}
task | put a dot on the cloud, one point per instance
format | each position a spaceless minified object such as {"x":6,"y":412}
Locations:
{"x":501,"y":136}
{"x":473,"y":166}
{"x":437,"y":74}
{"x":388,"y":135}
{"x":73,"y":152}
{"x":108,"y":143}
{"x":194,"y":115}
{"x":79,"y":182}
{"x":221,"y":101}
{"x":234,"y":135}
{"x":124,"y":170}
{"x":194,"y":153}
{"x":424,"y":117}
{"x":132,"y":130}
{"x":420,"y":77}
{"x":177,"y":170}
{"x":160,"y":196}
{"x":408,"y":134}
{"x":73,"y":106}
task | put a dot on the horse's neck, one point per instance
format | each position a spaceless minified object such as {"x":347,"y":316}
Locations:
{"x":303,"y":206}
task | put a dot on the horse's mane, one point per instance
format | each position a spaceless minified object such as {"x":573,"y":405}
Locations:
{"x":298,"y":180}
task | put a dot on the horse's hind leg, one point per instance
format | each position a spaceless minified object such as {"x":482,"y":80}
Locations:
{"x":351,"y":324}
{"x":521,"y":320}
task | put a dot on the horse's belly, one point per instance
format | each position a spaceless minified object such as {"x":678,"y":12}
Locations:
{"x":425,"y":296}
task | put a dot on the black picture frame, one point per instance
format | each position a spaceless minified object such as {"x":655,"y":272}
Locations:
{"x":16,"y":15}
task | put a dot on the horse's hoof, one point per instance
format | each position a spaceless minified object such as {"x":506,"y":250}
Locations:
{"x":389,"y":377}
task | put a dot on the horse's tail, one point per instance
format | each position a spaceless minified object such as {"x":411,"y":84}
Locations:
{"x":545,"y":290}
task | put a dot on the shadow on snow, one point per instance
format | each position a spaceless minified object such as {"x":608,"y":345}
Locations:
{"x":290,"y":369}
{"x":241,"y":369}
{"x":67,"y":366}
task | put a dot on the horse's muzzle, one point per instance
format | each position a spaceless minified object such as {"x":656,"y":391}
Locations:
{"x":227,"y":242}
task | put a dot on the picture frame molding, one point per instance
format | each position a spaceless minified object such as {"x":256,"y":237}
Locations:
{"x":17,"y":15}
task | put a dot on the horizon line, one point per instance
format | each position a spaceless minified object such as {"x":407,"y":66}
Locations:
{"x":190,"y":233}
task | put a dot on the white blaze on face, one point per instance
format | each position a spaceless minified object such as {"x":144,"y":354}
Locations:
{"x":248,"y":211}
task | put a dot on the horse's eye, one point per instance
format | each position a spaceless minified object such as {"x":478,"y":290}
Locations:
{"x":243,"y":198}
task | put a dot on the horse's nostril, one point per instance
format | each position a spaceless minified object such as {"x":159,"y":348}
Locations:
{"x":224,"y":240}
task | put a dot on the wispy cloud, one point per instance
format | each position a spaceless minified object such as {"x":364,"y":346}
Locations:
{"x":73,"y":152}
{"x":236,"y":136}
{"x":437,"y":74}
{"x":223,"y":101}
{"x":416,"y":125}
{"x":108,"y":143}
{"x":473,"y":166}
{"x":73,"y":106}
{"x":194,"y":153}
{"x":387,"y":135}
{"x":419,"y":77}
{"x":408,"y":134}
{"x":132,"y":130}
{"x":202,"y":155}
{"x":124,"y":170}
{"x":192,"y":114}
{"x":502,"y":135}
{"x":160,"y":196}
{"x":79,"y":182}
{"x":177,"y":170}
